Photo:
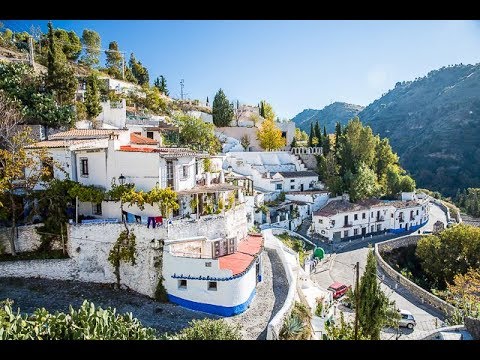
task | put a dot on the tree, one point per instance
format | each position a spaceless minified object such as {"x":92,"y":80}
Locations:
{"x":92,"y":97}
{"x":139,"y":72}
{"x":338,"y":135}
{"x":311,"y":136}
{"x":326,"y":144}
{"x":300,"y":135}
{"x":449,"y":253}
{"x":328,"y":169}
{"x":239,"y":113}
{"x":255,"y":119}
{"x":267,"y":110}
{"x":209,"y":329}
{"x":222,"y":111}
{"x":166,"y":200}
{"x":318,"y":134}
{"x":293,"y":143}
{"x":86,"y":323}
{"x":363,"y":184}
{"x":374,"y":310}
{"x":60,"y":80}
{"x":198,"y":135}
{"x":113,"y":60}
{"x":161,"y":84}
{"x":270,"y":136}
{"x":92,"y":42}
{"x":68,"y":43}
{"x":21,"y":169}
{"x":464,"y":294}
{"x":245,"y":141}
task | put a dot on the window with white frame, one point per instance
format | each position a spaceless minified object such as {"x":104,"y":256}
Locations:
{"x":345,"y":233}
{"x":355,"y":231}
{"x":292,"y":187}
{"x":212,"y":285}
{"x":355,"y":216}
{"x":292,"y":180}
{"x":278,"y":187}
{"x":320,"y":221}
{"x":185,"y":171}
{"x":84,"y":167}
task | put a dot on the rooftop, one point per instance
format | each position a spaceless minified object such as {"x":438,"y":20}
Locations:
{"x":141,"y":140}
{"x":211,"y":189}
{"x":340,"y":206}
{"x":86,"y":133}
{"x":295,"y":174}
{"x":239,"y":261}
{"x":165,"y":151}
{"x":51,"y":144}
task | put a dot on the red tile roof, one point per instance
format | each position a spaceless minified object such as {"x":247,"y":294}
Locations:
{"x":58,"y":143}
{"x":128,"y":148}
{"x":163,"y":151}
{"x":141,"y":140}
{"x":85,"y":133}
{"x":239,"y":261}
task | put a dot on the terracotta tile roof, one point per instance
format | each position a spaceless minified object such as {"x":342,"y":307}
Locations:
{"x":57,"y":143}
{"x":244,"y":256}
{"x":295,"y":174}
{"x":163,"y":151}
{"x":142,"y":140}
{"x":85,"y":133}
{"x":211,"y":189}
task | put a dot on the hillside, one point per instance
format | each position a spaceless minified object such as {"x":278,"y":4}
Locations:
{"x":433,"y":123}
{"x":329,"y":115}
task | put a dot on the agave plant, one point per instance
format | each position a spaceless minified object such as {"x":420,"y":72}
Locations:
{"x":292,"y":328}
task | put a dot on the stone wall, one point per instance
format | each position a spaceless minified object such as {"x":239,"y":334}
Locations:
{"x":309,"y":160}
{"x":473,"y":327}
{"x":413,"y":288}
{"x":26,"y":238}
{"x":89,"y":245}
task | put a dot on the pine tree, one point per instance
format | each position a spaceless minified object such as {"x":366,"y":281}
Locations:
{"x":374,"y":310}
{"x":60,"y":79}
{"x":222,"y":110}
{"x":318,"y":134}
{"x":311,"y":136}
{"x":161,"y":83}
{"x":91,"y":41}
{"x":92,"y":98}
{"x":138,"y":70}
{"x":113,"y":60}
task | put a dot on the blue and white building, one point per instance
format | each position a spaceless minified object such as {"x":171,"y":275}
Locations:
{"x":216,"y":276}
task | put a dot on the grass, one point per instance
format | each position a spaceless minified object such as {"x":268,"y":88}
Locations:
{"x":34,"y":255}
{"x":296,"y":244}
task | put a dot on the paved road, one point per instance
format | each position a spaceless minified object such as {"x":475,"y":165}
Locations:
{"x":341,"y":268}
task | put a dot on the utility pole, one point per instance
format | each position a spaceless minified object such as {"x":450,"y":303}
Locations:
{"x":357,"y":294}
{"x":30,"y":51}
{"x":181,"y":88}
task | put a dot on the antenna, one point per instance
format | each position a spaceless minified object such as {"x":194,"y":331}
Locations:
{"x":181,"y":88}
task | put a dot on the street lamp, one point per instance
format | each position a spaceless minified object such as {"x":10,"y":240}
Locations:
{"x":121,"y":179}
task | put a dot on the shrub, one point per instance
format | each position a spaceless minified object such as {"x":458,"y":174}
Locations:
{"x":208,"y":329}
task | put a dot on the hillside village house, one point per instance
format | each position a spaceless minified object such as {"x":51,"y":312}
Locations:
{"x":101,"y":157}
{"x":217,"y":276}
{"x":341,"y":219}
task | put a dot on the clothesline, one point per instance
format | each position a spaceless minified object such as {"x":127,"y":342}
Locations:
{"x":138,"y":219}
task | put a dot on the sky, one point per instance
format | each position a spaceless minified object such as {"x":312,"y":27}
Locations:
{"x":293,"y":65}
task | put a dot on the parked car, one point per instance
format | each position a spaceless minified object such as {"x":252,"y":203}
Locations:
{"x":407,"y":319}
{"x":338,"y":289}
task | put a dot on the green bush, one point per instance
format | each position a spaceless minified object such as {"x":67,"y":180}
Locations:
{"x":86,"y":323}
{"x":208,"y":329}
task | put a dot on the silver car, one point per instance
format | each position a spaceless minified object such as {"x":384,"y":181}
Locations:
{"x":407,"y":319}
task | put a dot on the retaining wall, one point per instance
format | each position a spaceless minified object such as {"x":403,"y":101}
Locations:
{"x":26,"y":238}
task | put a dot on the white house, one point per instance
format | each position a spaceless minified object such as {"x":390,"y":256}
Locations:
{"x":294,"y":180}
{"x":340,"y":218}
{"x":216,"y":276}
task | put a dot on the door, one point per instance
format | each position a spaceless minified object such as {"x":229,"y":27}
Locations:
{"x":301,"y":187}
{"x":346,"y":220}
{"x":170,"y":174}
{"x":364,"y":231}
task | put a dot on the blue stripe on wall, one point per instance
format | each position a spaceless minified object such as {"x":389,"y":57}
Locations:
{"x":212,"y":309}
{"x":410,"y":229}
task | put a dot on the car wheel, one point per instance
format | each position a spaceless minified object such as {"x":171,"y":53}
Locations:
{"x":410,"y":326}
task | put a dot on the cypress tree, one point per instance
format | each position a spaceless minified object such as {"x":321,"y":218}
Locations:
{"x":222,"y":110}
{"x":92,"y":98}
{"x":311,"y":136}
{"x":326,"y":142}
{"x":318,"y":134}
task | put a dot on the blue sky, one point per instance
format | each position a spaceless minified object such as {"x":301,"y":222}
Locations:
{"x":292,"y":64}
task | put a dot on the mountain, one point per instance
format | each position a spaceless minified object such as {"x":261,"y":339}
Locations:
{"x":433,"y":123}
{"x":329,"y":115}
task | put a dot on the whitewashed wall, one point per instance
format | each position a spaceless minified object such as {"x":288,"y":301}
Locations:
{"x":112,"y":114}
{"x":26,"y":238}
{"x":318,"y":200}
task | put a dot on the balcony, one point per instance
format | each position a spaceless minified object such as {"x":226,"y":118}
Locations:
{"x":348,"y":224}
{"x":380,"y":218}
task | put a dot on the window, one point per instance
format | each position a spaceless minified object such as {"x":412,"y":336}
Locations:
{"x":379,"y":227}
{"x":182,"y":284}
{"x":355,"y":217}
{"x":355,"y":231}
{"x":208,"y":264}
{"x":84,"y":166}
{"x":345,"y":233}
{"x":278,"y":187}
{"x":333,"y":222}
{"x":212,"y":285}
{"x":310,"y":186}
{"x":372,"y":228}
{"x":185,"y":171}
{"x":150,"y":134}
{"x":391,"y":215}
{"x":320,"y":221}
{"x":372,"y":215}
{"x":363,"y":215}
{"x":292,"y":180}
{"x":417,"y":211}
{"x":97,"y":209}
{"x":292,"y":187}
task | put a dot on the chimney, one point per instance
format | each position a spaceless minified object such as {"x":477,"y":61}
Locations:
{"x":222,"y":177}
{"x":208,"y":178}
{"x":113,"y":143}
{"x":268,"y":174}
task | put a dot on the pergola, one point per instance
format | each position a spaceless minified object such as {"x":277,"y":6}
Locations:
{"x":217,"y":191}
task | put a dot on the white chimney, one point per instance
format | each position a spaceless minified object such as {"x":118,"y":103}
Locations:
{"x":222,"y":177}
